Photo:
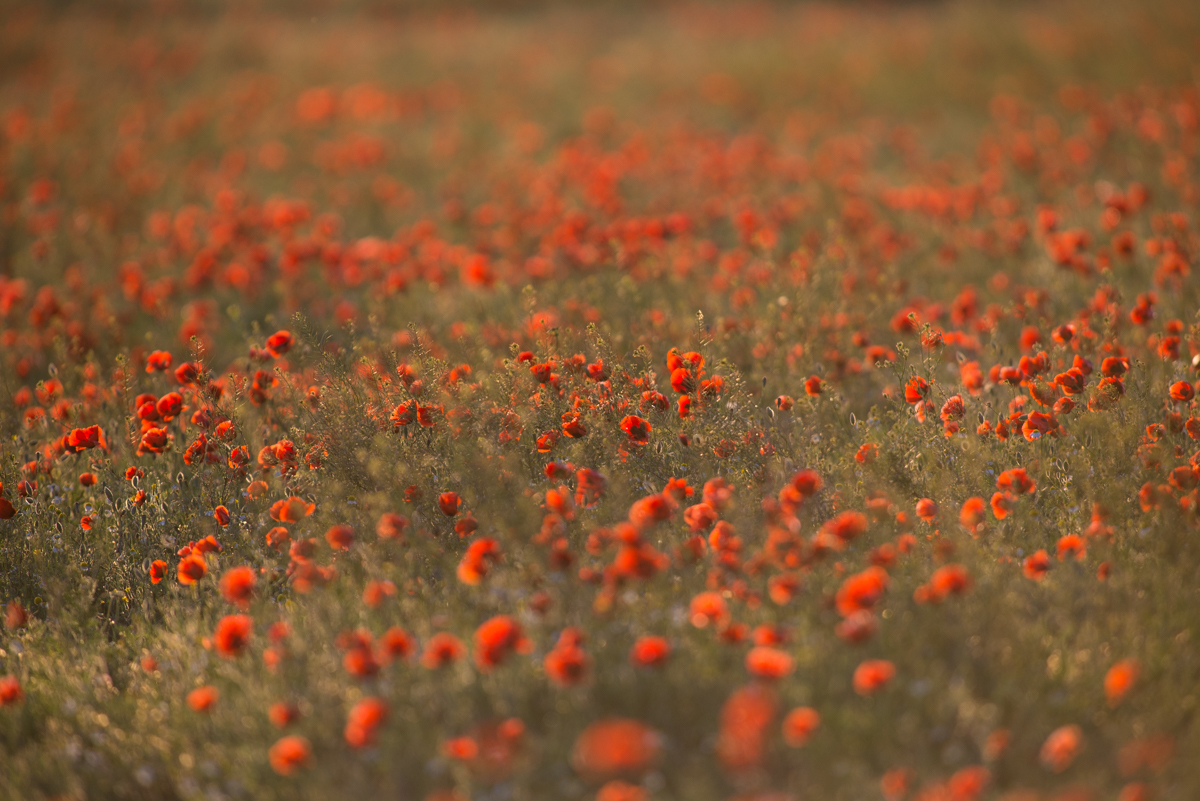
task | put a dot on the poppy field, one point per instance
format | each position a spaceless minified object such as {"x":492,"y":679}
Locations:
{"x":616,"y":402}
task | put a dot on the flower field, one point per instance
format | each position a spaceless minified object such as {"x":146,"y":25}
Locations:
{"x":606,"y":401}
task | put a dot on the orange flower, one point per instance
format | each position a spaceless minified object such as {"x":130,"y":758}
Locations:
{"x":496,"y":638}
{"x":616,"y":747}
{"x":449,"y":503}
{"x":158,"y":571}
{"x":237,"y":585}
{"x":442,"y":649}
{"x":567,"y":663}
{"x":202,"y":699}
{"x":192,"y":568}
{"x":650,"y":651}
{"x":289,"y":754}
{"x":873,"y":675}
{"x":861,"y":591}
{"x":972,"y":514}
{"x":745,"y":721}
{"x":708,"y":607}
{"x":233,"y":635}
{"x":927,"y":510}
{"x":221,"y":514}
{"x":340,"y":537}
{"x":769,"y":663}
{"x":1036,"y":565}
{"x":365,"y":717}
{"x":1120,"y":680}
{"x":637,"y":429}
{"x":11,"y":693}
{"x":291,"y":510}
{"x":799,"y":725}
{"x":1061,"y":748}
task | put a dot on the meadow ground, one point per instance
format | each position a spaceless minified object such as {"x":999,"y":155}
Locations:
{"x":615,"y":402}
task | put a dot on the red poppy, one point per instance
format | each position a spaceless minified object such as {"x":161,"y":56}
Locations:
{"x":192,"y":568}
{"x":873,"y":675}
{"x":233,"y":635}
{"x":769,"y":663}
{"x":496,"y":638}
{"x":289,"y":754}
{"x":449,"y":503}
{"x":203,"y":698}
{"x":637,"y":429}
{"x":11,"y":693}
{"x":364,"y":719}
{"x":616,"y":747}
{"x":1061,"y":747}
{"x":799,"y":724}
{"x":650,"y":651}
{"x":442,"y":649}
{"x":1119,"y":680}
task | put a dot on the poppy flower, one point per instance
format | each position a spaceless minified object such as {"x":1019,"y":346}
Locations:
{"x":746,"y":719}
{"x":280,"y":343}
{"x":203,"y":698}
{"x":496,"y":638}
{"x":282,"y":714}
{"x":1182,"y":392}
{"x":861,"y":591}
{"x":233,"y":635}
{"x":927,"y":510}
{"x":799,"y":724}
{"x":708,"y":607}
{"x":650,"y":651}
{"x":340,"y":537}
{"x":1119,"y":680}
{"x":971,"y":516}
{"x":221,"y":514}
{"x":192,"y":568}
{"x":449,"y":503}
{"x":1036,"y":565}
{"x":289,"y":754}
{"x":916,"y":390}
{"x":769,"y":663}
{"x":567,"y":664}
{"x":637,"y":429}
{"x":873,"y":675}
{"x":616,"y":747}
{"x":158,"y":571}
{"x":291,"y":510}
{"x":11,"y":693}
{"x":364,"y":719}
{"x":1061,"y":747}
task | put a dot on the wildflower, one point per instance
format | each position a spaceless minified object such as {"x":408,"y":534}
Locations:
{"x":1061,"y":748}
{"x":616,"y":747}
{"x":291,"y":510}
{"x":1036,"y":565}
{"x":768,"y":663}
{"x":745,"y":720}
{"x":192,"y":568}
{"x":442,"y":649}
{"x":340,"y":537}
{"x":799,"y":724}
{"x":873,"y":675}
{"x":650,"y":651}
{"x":637,"y":429}
{"x":364,"y":719}
{"x":203,"y":698}
{"x":567,"y":664}
{"x":11,"y":693}
{"x":233,"y":635}
{"x":289,"y":754}
{"x":496,"y":638}
{"x":1120,"y":680}
{"x":449,"y":503}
